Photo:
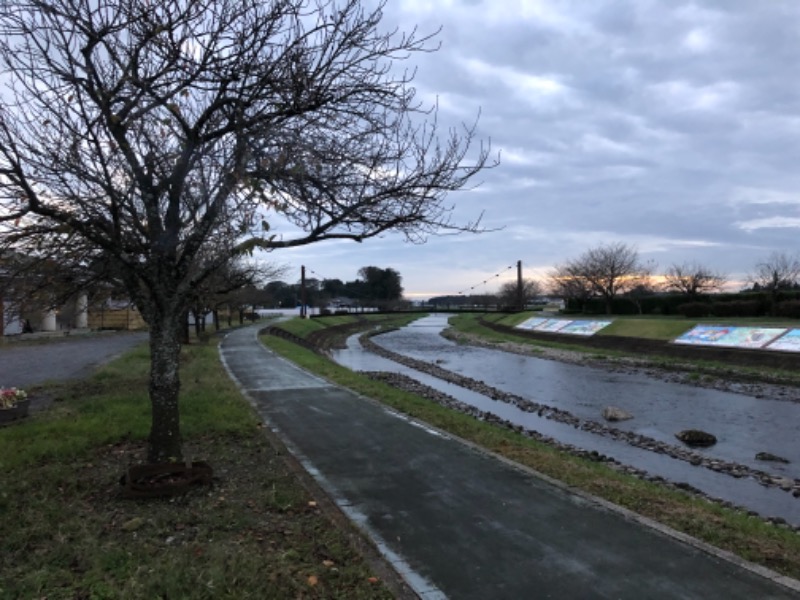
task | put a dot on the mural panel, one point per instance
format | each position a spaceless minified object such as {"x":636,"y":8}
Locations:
{"x":790,"y":342}
{"x":731,"y":337}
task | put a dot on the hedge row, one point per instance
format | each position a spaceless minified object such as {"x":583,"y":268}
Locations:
{"x":746,"y":304}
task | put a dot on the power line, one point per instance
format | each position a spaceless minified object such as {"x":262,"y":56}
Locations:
{"x":485,"y":281}
{"x":320,"y":277}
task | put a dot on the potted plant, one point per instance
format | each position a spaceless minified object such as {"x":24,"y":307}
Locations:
{"x":14,"y":404}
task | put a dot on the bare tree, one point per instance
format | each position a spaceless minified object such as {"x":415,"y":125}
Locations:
{"x":779,"y":271}
{"x":609,"y":270}
{"x":508,"y":295}
{"x":567,"y":283}
{"x":133,"y":134}
{"x":233,"y":285}
{"x":693,"y":279}
{"x":641,"y":285}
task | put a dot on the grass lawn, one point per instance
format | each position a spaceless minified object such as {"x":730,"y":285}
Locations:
{"x":258,"y":532}
{"x":654,"y":329}
{"x":749,"y":537}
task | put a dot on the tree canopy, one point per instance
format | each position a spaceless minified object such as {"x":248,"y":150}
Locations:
{"x":136,"y":134}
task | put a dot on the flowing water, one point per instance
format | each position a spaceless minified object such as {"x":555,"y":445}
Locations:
{"x":743,"y":425}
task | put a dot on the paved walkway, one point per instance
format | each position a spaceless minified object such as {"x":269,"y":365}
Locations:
{"x":27,"y":363}
{"x":458,"y":523}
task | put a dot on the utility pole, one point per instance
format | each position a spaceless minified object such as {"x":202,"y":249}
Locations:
{"x":520,"y":295}
{"x":303,"y":292}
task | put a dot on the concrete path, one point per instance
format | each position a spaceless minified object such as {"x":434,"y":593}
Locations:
{"x":27,"y":363}
{"x":458,"y":523}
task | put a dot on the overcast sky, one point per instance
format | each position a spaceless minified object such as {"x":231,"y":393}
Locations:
{"x":672,"y":126}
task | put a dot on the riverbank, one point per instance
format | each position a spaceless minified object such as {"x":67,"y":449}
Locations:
{"x":770,"y":544}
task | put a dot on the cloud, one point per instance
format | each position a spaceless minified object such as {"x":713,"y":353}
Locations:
{"x":673,"y":126}
{"x":770,"y":223}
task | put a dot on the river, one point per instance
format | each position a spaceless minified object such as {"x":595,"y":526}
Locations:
{"x":744,"y":425}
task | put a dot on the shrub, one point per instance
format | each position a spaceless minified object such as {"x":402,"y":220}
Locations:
{"x":789,"y":308}
{"x":694,"y":310}
{"x":740,"y":308}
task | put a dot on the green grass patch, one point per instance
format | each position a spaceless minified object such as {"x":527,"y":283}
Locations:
{"x":653,"y":329}
{"x":746,"y":536}
{"x":257,"y":533}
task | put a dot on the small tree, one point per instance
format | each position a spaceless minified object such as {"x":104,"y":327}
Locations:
{"x":508,"y":295}
{"x":693,"y":279}
{"x":609,"y":270}
{"x":779,"y":271}
{"x":568,"y":283}
{"x":133,"y":134}
{"x":233,"y":286}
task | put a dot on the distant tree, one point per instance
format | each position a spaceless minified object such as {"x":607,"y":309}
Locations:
{"x":281,"y":294}
{"x":692,"y":279}
{"x":568,"y":283}
{"x":779,"y":271}
{"x":133,"y":133}
{"x":381,"y":286}
{"x":508,"y":295}
{"x":234,"y":286}
{"x":333,"y":288}
{"x":608,"y":270}
{"x":641,"y":285}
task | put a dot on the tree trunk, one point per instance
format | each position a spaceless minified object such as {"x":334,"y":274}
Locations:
{"x":184,"y":338}
{"x":196,"y":317}
{"x":216,"y":319}
{"x":164,"y":443}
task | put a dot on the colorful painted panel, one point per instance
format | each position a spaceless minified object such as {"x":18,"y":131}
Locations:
{"x":531,"y":323}
{"x":552,"y":325}
{"x":787,"y":343}
{"x":732,"y":337}
{"x":584,"y":327}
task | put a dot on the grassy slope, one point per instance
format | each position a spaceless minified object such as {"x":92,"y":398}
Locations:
{"x":257,"y":533}
{"x":748,"y":537}
{"x":651,"y":327}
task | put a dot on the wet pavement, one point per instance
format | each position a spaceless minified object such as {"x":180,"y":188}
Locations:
{"x":744,"y":425}
{"x":459,"y":523}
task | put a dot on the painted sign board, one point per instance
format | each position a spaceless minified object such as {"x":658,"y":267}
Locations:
{"x":789,"y":342}
{"x":730,"y":337}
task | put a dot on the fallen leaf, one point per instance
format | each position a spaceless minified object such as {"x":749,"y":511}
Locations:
{"x":328,"y":563}
{"x":133,"y":524}
{"x":312,"y":503}
{"x":312,"y":580}
{"x":373,"y":580}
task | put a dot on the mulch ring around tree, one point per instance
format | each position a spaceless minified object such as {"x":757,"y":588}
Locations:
{"x":164,"y":479}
